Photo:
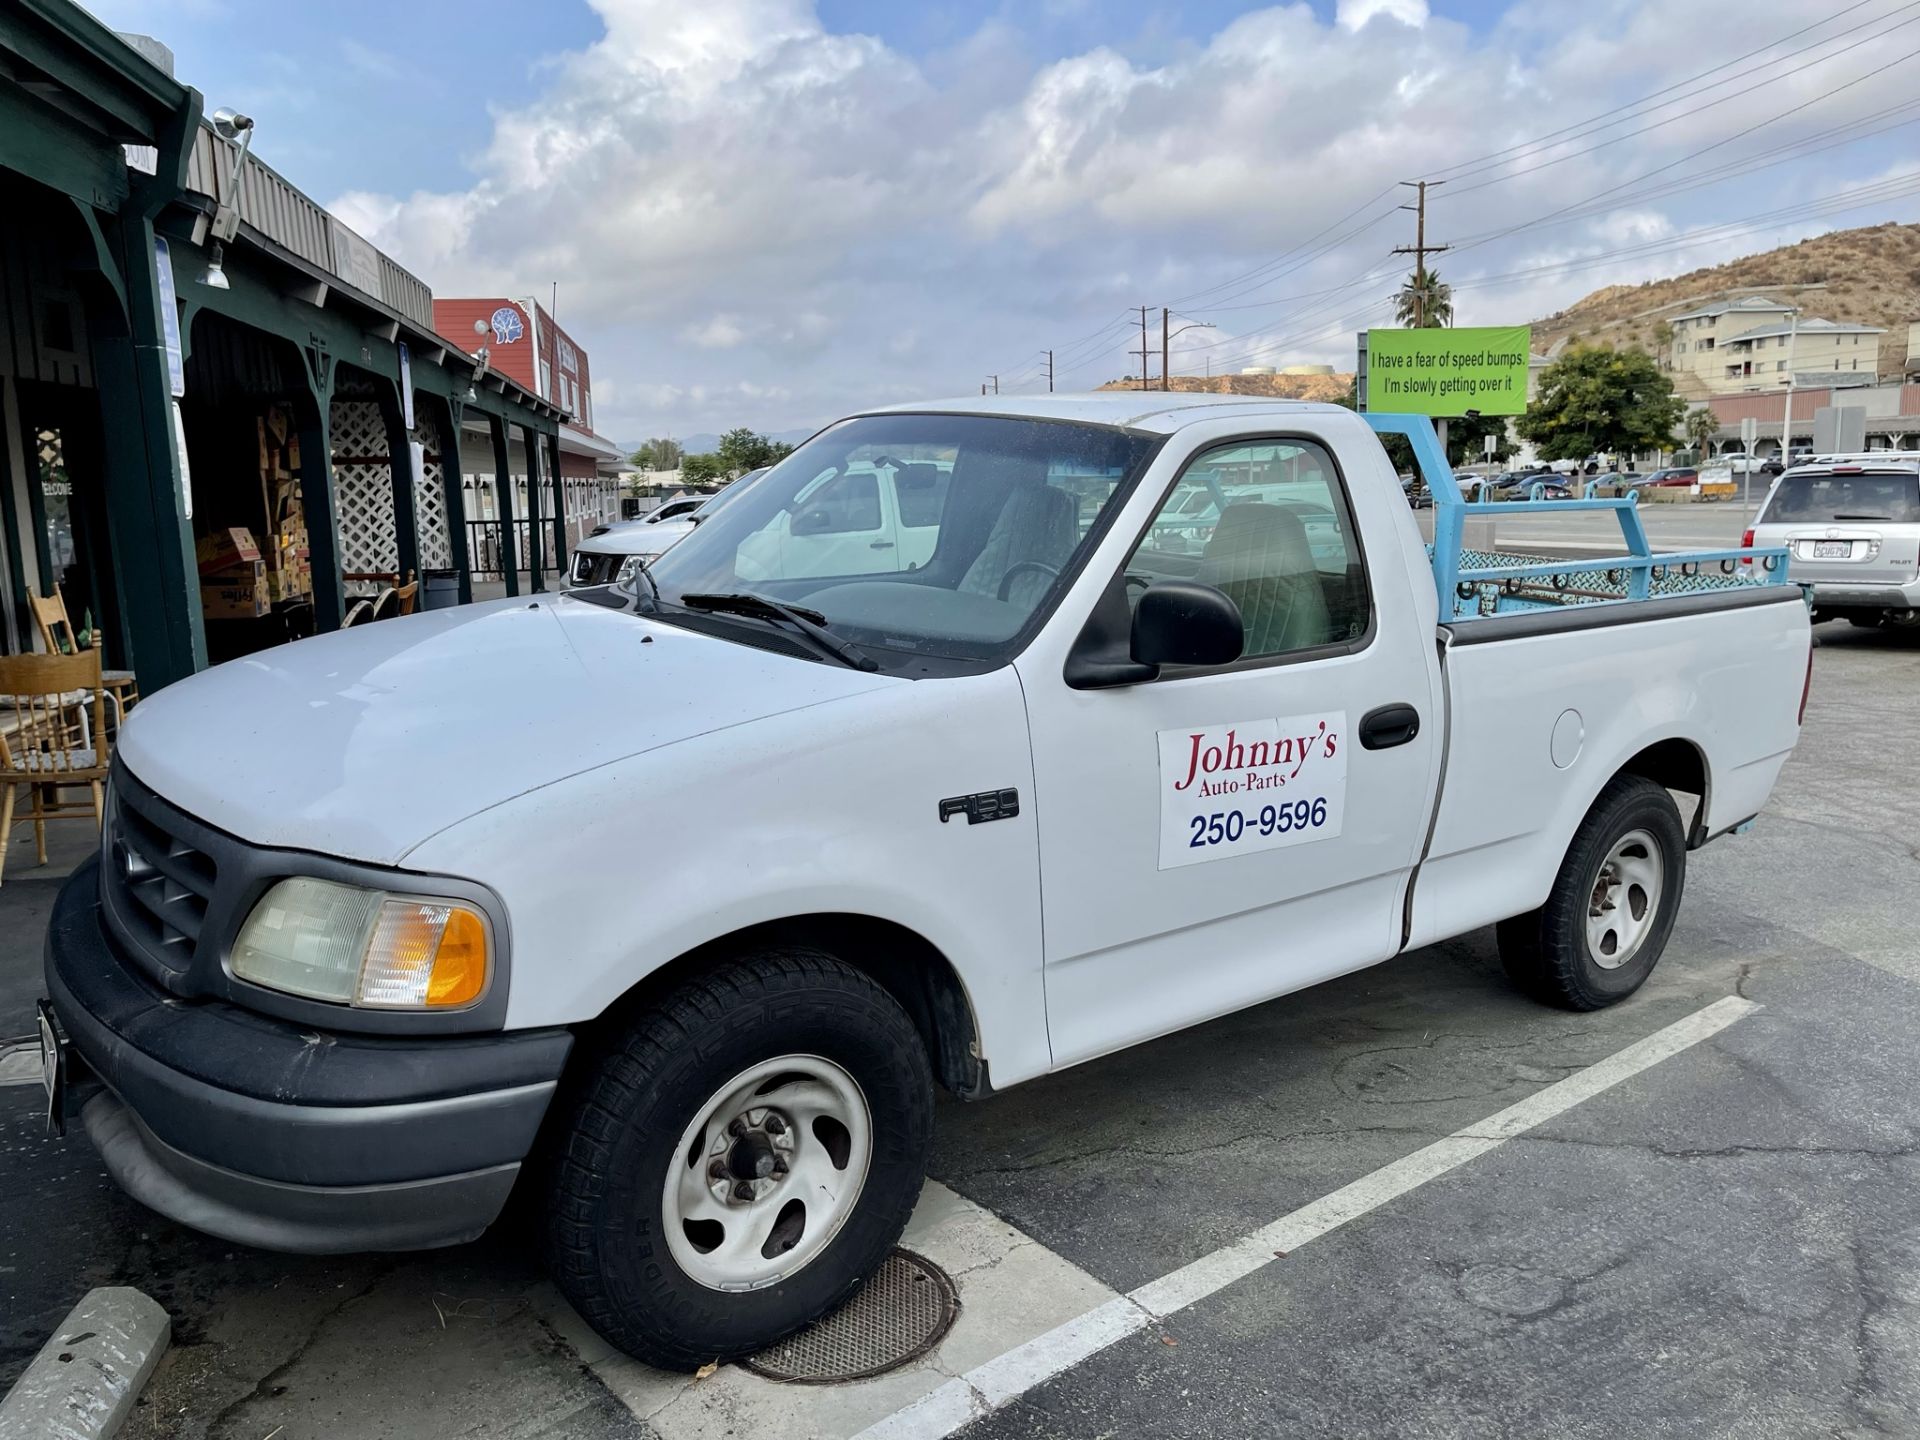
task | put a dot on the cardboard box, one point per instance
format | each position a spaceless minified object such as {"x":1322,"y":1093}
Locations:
{"x":225,"y":550}
{"x":237,"y":593}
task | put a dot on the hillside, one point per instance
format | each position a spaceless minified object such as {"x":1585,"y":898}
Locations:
{"x":1282,"y":387}
{"x":1869,"y":276}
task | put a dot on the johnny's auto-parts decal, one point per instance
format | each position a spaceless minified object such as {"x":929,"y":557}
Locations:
{"x":1252,"y":785}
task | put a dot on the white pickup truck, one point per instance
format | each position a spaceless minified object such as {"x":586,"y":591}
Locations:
{"x":382,"y":927}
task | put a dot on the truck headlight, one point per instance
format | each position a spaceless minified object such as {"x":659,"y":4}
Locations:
{"x":365,"y":947}
{"x":630,"y":567}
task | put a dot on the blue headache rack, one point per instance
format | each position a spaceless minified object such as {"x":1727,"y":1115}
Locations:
{"x":1477,"y":584}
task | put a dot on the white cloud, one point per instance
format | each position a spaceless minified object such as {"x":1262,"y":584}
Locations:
{"x":716,"y":332}
{"x":757,"y":221}
{"x":1354,"y":13}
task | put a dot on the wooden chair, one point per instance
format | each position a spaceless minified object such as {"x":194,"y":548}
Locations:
{"x":44,"y":746}
{"x":407,"y":595}
{"x":56,"y":634}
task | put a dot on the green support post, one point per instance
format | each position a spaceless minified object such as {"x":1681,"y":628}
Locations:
{"x":452,"y":472}
{"x":559,"y":507}
{"x":536,"y":572}
{"x":503,"y":501}
{"x":147,"y":502}
{"x":316,"y":493}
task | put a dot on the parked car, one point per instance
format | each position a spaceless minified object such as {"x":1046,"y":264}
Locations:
{"x":1677,"y":475}
{"x":1852,"y":527}
{"x":380,"y":930}
{"x":613,"y":553}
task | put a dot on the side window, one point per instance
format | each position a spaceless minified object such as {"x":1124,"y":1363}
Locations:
{"x":1268,"y":524}
{"x":848,"y":502}
{"x":922,"y":492}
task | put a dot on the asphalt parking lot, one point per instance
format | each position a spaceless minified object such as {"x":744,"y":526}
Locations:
{"x":1722,"y":1242}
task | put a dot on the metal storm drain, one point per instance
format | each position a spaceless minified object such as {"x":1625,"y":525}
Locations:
{"x":897,"y":1316}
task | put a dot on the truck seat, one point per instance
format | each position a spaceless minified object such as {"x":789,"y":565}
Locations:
{"x":1037,"y":523}
{"x":1259,"y":556}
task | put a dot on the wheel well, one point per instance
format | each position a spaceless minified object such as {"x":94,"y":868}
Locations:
{"x":907,"y":965}
{"x":1678,"y":765}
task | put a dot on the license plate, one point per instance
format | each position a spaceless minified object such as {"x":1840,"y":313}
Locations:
{"x":1832,"y":549}
{"x":53,"y":1071}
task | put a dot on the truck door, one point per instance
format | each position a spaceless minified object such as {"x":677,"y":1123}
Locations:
{"x":1221,"y":835}
{"x":842,"y":526}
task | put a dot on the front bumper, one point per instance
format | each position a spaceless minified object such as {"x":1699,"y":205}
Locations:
{"x":277,"y":1135}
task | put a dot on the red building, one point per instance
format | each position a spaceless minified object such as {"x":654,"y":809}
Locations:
{"x":525,"y":344}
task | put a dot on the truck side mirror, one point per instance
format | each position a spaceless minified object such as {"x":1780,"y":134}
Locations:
{"x":1182,"y":622}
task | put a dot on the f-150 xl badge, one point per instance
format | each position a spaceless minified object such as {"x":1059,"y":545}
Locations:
{"x":980,"y":808}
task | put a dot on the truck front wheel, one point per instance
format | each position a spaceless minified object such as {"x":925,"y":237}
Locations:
{"x":1611,"y":909}
{"x":739,"y":1158}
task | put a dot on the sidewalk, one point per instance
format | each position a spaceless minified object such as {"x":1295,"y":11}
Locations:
{"x":441,"y":1343}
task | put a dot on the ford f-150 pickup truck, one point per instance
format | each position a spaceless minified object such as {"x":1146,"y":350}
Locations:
{"x":380,"y":928}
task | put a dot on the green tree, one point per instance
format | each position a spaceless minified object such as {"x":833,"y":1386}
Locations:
{"x":742,"y":450}
{"x":1467,"y":439}
{"x":703,"y":469}
{"x":658,"y":454}
{"x":1424,"y":302}
{"x":1701,"y":425}
{"x":1597,"y":399}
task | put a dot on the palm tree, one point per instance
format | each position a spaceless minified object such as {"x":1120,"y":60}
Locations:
{"x":1424,"y":301}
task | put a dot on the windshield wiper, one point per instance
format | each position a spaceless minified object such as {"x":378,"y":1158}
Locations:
{"x":1863,"y":517}
{"x":810,"y":623}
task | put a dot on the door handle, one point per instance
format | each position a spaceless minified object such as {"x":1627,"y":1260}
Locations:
{"x":881,"y":545}
{"x":1388,"y":726}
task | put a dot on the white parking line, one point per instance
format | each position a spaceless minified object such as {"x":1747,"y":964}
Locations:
{"x":988,"y":1386}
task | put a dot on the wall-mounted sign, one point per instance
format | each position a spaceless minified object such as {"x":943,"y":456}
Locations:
{"x":406,"y":385}
{"x":507,"y":325}
{"x":1449,"y":372}
{"x":169,"y":319}
{"x":568,"y":360}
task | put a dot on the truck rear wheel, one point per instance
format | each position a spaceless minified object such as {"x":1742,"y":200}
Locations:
{"x":739,"y":1159}
{"x":1607,"y":919}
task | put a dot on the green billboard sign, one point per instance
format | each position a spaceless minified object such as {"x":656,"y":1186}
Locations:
{"x":1449,"y":372}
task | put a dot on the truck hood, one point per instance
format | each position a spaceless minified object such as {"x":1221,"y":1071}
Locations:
{"x":363,"y":743}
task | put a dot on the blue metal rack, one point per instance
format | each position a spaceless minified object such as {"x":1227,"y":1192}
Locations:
{"x":1476,"y":584}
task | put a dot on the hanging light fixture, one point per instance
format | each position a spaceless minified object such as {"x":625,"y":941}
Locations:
{"x":214,"y":277}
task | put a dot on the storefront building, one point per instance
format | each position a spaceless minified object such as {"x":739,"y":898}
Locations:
{"x":189,"y":347}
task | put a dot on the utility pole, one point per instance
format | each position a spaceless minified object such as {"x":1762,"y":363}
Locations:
{"x":1049,"y":372}
{"x":1142,"y":351}
{"x":1786,"y":422}
{"x":1420,"y":249}
{"x":993,"y":380}
{"x":1164,"y":384}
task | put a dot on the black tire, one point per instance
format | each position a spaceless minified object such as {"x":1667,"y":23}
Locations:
{"x":633,"y":1100}
{"x":1547,"y":953}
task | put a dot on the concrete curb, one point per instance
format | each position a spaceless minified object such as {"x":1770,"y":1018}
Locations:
{"x":83,"y":1383}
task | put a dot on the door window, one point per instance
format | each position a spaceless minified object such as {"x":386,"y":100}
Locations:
{"x":847,"y":503}
{"x":1268,"y":524}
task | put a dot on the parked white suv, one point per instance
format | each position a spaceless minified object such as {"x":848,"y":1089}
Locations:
{"x":1852,"y":526}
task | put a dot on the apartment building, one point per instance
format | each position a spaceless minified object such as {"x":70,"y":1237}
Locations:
{"x":1754,"y":343}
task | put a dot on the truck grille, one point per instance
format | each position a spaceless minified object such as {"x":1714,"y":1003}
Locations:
{"x":155,"y":883}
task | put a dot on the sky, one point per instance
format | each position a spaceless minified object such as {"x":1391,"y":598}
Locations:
{"x":772,"y":212}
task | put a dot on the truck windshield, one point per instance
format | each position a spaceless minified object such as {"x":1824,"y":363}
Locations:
{"x":1889,"y":496}
{"x":934,"y":534}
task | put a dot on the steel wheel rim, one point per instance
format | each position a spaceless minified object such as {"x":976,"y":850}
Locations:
{"x":1624,"y":900}
{"x":767,"y":1172}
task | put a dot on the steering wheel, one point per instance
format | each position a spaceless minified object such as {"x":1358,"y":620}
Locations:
{"x":1142,"y":581}
{"x":1006,"y":580}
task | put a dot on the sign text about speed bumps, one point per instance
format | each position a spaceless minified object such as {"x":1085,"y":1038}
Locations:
{"x":1449,"y":372}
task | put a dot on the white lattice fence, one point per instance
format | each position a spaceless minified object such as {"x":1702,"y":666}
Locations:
{"x":363,"y":487}
{"x":430,"y":498}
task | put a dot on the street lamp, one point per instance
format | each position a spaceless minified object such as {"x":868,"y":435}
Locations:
{"x":1166,"y":343}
